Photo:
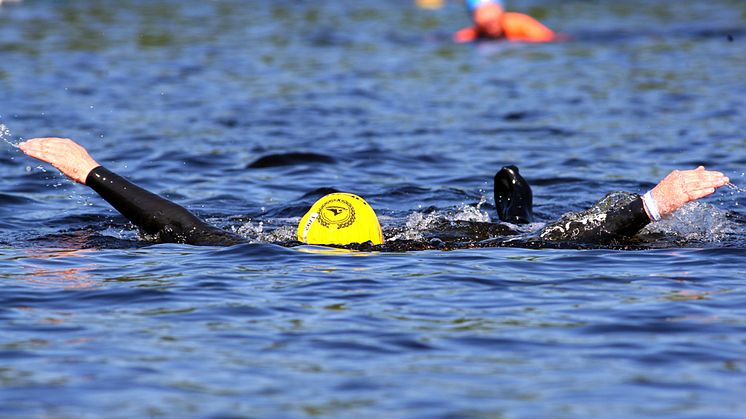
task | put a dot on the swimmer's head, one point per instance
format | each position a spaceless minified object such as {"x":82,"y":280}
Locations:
{"x":340,"y":218}
{"x":488,"y":19}
{"x":472,"y":5}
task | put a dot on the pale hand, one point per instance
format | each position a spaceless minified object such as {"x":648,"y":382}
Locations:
{"x":682,"y":186}
{"x":64,"y":154}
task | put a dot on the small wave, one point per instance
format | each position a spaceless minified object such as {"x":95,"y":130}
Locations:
{"x":319,"y":192}
{"x":10,"y":199}
{"x":626,"y":35}
{"x":256,"y":251}
{"x":521,"y":115}
{"x":290,"y":159}
{"x":554,"y":131}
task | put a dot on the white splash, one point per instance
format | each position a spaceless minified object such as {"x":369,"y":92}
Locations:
{"x":259,"y":232}
{"x":250,"y":230}
{"x":695,"y":221}
{"x":415,"y":225}
{"x":419,"y":223}
{"x":5,"y":133}
{"x":470,"y":213}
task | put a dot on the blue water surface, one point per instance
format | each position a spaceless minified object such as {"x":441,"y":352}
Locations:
{"x":182,"y":97}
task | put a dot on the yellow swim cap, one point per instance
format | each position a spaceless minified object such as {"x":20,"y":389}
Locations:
{"x":340,"y":218}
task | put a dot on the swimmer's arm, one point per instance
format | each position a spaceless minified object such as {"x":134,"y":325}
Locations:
{"x":157,"y":216}
{"x":670,"y":194}
{"x":151,"y":213}
{"x":624,"y":220}
{"x":675,"y":190}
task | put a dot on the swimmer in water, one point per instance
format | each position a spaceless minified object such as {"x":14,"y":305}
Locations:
{"x":343,"y":219}
{"x":617,"y":216}
{"x":491,"y":21}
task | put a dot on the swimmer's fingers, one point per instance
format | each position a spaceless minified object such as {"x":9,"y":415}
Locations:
{"x":64,"y":154}
{"x":699,"y":193}
{"x":700,"y":179}
{"x":49,"y":150}
{"x":701,"y":173}
{"x":705,"y":183}
{"x":44,"y":149}
{"x":33,"y":148}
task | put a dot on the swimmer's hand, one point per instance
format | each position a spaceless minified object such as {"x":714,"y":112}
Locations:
{"x":682,"y":186}
{"x":64,"y":154}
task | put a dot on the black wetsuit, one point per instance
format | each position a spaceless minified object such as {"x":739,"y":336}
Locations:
{"x":167,"y":222}
{"x":156,"y":216}
{"x":618,"y":216}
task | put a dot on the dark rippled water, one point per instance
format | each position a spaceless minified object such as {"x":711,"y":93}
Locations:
{"x":185,"y":97}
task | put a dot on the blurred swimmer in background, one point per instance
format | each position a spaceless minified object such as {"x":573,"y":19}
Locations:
{"x":491,"y":21}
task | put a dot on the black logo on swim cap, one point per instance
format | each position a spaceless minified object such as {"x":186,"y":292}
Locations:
{"x":337,"y":212}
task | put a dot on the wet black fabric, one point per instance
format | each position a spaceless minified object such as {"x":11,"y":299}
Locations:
{"x":156,"y":216}
{"x":621,"y":220}
{"x":628,"y":219}
{"x":513,"y":196}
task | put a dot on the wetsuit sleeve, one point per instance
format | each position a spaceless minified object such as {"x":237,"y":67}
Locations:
{"x":156,"y":216}
{"x":619,"y":221}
